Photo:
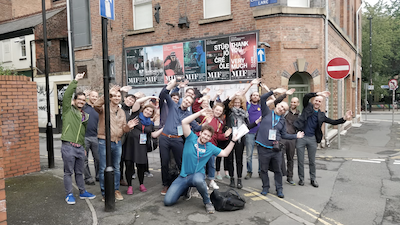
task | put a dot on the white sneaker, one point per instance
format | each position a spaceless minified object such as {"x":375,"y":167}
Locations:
{"x":214,"y":185}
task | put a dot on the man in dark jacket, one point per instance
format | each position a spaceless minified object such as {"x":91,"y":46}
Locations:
{"x":310,"y":121}
{"x":73,"y":141}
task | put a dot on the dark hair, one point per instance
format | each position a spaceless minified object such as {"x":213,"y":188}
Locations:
{"x":189,"y":89}
{"x":209,"y":128}
{"x":174,"y":94}
{"x":79,"y":94}
{"x":131,"y":95}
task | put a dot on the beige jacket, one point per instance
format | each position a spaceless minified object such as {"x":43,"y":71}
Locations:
{"x":118,"y":124}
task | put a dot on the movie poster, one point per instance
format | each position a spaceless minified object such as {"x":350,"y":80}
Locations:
{"x":153,"y":65}
{"x":217,"y":59}
{"x":243,"y":58}
{"x":173,"y":61}
{"x":135,"y":66}
{"x":195,"y":61}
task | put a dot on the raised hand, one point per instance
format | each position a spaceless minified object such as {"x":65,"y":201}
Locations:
{"x":240,"y":93}
{"x":325,"y":94}
{"x":205,"y":91}
{"x":79,"y":76}
{"x":264,"y":86}
{"x":206,"y":112}
{"x":87,"y":92}
{"x":125,"y":89}
{"x":219,"y":92}
{"x":228,"y":132}
{"x":255,"y":81}
{"x":280,"y":90}
{"x":133,"y":122}
{"x":349,"y":115}
{"x":291,"y":91}
{"x":183,"y":84}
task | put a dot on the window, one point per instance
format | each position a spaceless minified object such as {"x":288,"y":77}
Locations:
{"x":298,"y":3}
{"x":81,"y":23}
{"x":218,"y":8}
{"x":64,"y":51}
{"x":6,"y":51}
{"x":142,"y":14}
{"x":23,"y":48}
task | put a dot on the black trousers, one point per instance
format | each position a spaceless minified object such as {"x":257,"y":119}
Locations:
{"x":238,"y":152}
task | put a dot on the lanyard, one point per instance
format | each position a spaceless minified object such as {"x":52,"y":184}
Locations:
{"x":198,"y":152}
{"x":142,"y":128}
{"x":273,"y":120}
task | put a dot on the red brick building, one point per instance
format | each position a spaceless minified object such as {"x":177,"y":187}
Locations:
{"x":294,"y":30}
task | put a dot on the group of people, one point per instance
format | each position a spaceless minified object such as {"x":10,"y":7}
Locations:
{"x":195,"y":133}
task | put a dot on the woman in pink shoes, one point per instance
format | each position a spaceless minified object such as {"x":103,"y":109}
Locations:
{"x":137,"y":145}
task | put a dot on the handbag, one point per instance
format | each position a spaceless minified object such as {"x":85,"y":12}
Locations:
{"x":227,"y":201}
{"x":278,"y":146}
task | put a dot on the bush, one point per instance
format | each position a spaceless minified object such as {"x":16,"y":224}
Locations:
{"x":5,"y":71}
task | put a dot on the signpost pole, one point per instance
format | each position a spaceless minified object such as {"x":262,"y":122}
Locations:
{"x":339,"y":109}
{"x":366,"y":100}
{"x":393,"y":106}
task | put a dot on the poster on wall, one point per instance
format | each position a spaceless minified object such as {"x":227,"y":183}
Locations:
{"x":153,"y":65}
{"x":243,"y":58}
{"x":217,"y":59}
{"x":173,"y":61}
{"x":194,"y":61}
{"x":135,"y":66}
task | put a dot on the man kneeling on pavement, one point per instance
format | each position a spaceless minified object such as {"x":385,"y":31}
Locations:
{"x":196,"y":153}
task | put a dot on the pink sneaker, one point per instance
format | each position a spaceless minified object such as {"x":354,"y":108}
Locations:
{"x":129,"y":191}
{"x":142,"y":188}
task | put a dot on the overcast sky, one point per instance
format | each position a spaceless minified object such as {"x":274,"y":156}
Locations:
{"x":372,"y":2}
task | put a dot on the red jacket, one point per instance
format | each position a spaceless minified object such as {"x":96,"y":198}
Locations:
{"x":218,"y":126}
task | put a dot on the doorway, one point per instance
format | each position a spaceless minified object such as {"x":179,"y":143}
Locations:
{"x":301,"y":82}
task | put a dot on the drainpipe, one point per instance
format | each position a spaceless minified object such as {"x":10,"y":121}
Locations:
{"x":71,"y":45}
{"x":326,"y":63}
{"x":357,"y":55}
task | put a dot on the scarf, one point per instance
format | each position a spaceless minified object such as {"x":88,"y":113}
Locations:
{"x":145,"y":120}
{"x":239,"y":115}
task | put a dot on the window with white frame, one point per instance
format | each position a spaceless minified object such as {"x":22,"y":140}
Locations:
{"x":22,"y":48}
{"x":298,"y":3}
{"x":6,"y":51}
{"x":213,"y":8}
{"x":142,"y":14}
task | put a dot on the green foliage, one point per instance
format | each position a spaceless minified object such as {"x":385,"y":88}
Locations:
{"x":6,"y":71}
{"x":385,"y":47}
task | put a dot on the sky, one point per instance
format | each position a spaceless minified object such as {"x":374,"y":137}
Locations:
{"x":373,"y":2}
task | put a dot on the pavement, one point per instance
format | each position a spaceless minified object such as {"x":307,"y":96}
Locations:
{"x":38,"y":198}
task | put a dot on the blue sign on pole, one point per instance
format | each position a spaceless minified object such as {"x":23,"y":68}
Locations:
{"x":107,"y":9}
{"x":260,"y":55}
{"x":254,"y":3}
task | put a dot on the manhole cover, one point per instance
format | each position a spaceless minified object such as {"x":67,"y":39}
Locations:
{"x":387,"y":152}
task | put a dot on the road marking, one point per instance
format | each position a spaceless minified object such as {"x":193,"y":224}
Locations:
{"x":362,"y":160}
{"x":290,"y":214}
{"x":382,"y":160}
{"x":396,"y":162}
{"x":259,"y":198}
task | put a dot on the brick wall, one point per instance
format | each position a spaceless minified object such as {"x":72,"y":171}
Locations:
{"x":3,"y":212}
{"x":57,"y":30}
{"x":23,"y":7}
{"x":19,"y":126}
{"x":5,"y":10}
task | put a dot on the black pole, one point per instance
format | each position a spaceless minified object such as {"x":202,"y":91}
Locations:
{"x":370,"y":62}
{"x":109,"y":171}
{"x":49,"y":127}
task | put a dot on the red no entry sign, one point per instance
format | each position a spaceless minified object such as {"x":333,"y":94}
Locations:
{"x":338,"y":68}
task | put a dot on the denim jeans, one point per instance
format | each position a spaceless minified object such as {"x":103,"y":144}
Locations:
{"x":250,"y":144}
{"x":180,"y":186}
{"x":116,"y":151}
{"x":211,"y":168}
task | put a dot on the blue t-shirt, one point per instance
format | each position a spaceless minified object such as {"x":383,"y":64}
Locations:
{"x":311,"y":124}
{"x":195,"y":156}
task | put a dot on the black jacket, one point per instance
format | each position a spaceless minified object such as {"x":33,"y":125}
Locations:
{"x":308,"y":110}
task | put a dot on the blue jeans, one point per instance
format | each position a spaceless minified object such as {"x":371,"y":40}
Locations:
{"x":211,"y":168}
{"x":116,"y":151}
{"x":250,"y":143}
{"x":180,"y":186}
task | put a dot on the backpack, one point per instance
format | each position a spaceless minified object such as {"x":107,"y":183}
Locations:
{"x":227,"y":201}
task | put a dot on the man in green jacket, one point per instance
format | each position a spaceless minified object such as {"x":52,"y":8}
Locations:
{"x":73,"y":141}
